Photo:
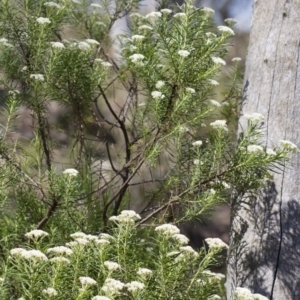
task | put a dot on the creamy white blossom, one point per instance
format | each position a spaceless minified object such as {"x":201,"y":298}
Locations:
{"x":38,"y":77}
{"x":106,"y":64}
{"x":160,"y":84}
{"x":226,"y":29}
{"x":288,"y":145}
{"x":112,"y":286}
{"x":100,"y":298}
{"x":126,"y":216}
{"x":212,"y":191}
{"x":76,"y":235}
{"x":42,"y":20}
{"x":144,"y":272}
{"x":138,"y":37}
{"x":106,"y":236}
{"x":34,"y":255}
{"x":270,"y":152}
{"x":135,"y":15}
{"x":210,"y":35}
{"x":180,"y":238}
{"x":51,"y":292}
{"x":225,"y":185}
{"x":218,"y":61}
{"x":236,"y":59}
{"x":219,"y":124}
{"x":134,"y":286}
{"x":83,"y":46}
{"x":96,"y":5}
{"x":243,"y":294}
{"x":57,"y":45}
{"x":255,"y":117}
{"x":188,"y":251}
{"x":183,"y":53}
{"x":111,"y":265}
{"x":92,"y":42}
{"x":208,"y":11}
{"x":87,"y":281}
{"x":197,"y":143}
{"x":214,"y":297}
{"x":3,"y":40}
{"x":180,"y":15}
{"x":216,"y":243}
{"x":136,"y":58}
{"x":190,"y":90}
{"x":259,"y":297}
{"x":166,"y":11}
{"x":52,"y":4}
{"x":230,"y":21}
{"x":70,"y":172}
{"x":102,"y":242}
{"x":214,"y":276}
{"x":17,"y":251}
{"x":167,"y":229}
{"x":213,"y":82}
{"x":36,"y":233}
{"x":145,"y":27}
{"x":60,"y":250}
{"x":197,"y":162}
{"x":157,"y":95}
{"x":254,"y":149}
{"x":153,"y":15}
{"x":60,"y":259}
{"x":215,"y":103}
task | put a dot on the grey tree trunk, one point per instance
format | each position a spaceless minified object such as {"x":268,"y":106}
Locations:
{"x":264,"y":253}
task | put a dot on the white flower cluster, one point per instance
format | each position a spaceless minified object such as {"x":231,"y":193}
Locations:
{"x":126,"y":216}
{"x":157,"y":95}
{"x":236,"y":59}
{"x":216,"y":243}
{"x":168,"y":230}
{"x":51,"y":292}
{"x":92,"y":42}
{"x":100,"y":298}
{"x":83,"y":45}
{"x":87,"y":281}
{"x":180,"y":238}
{"x":190,"y":90}
{"x":288,"y":145}
{"x":166,"y":11}
{"x":60,"y":250}
{"x":82,"y":239}
{"x":57,"y":45}
{"x":218,"y":61}
{"x":208,"y":11}
{"x":52,"y":4}
{"x":42,"y":20}
{"x":60,"y":259}
{"x":145,"y":27}
{"x":270,"y":152}
{"x":180,"y":15}
{"x":137,"y":59}
{"x":96,"y":5}
{"x":214,"y":277}
{"x":138,"y":37}
{"x":153,"y":15}
{"x":245,"y":294}
{"x":213,"y":82}
{"x":183,"y":53}
{"x":111,"y":266}
{"x":197,"y":143}
{"x":36,"y":233}
{"x":255,"y":149}
{"x":37,"y":77}
{"x":70,"y":172}
{"x":159,"y":84}
{"x":33,"y":255}
{"x":255,"y":117}
{"x":144,"y":272}
{"x":112,"y":286}
{"x":219,"y":124}
{"x":226,"y":29}
{"x":134,"y":286}
{"x":215,"y":103}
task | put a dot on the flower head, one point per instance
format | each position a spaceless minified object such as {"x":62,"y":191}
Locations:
{"x":111,"y":266}
{"x":34,"y":255}
{"x":87,"y":281}
{"x":180,"y":15}
{"x":190,"y":90}
{"x":243,"y":294}
{"x":42,"y":20}
{"x":134,"y":286}
{"x":219,"y":124}
{"x":100,"y":298}
{"x":60,"y":259}
{"x":166,"y":11}
{"x":213,"y":82}
{"x":255,"y":117}
{"x":112,"y":286}
{"x":92,"y":42}
{"x":51,"y":292}
{"x":36,"y":233}
{"x":197,"y":143}
{"x":230,"y":21}
{"x":216,"y":243}
{"x":160,"y":84}
{"x":183,"y":53}
{"x":236,"y":59}
{"x":57,"y":45}
{"x":52,"y":4}
{"x":226,"y":30}
{"x":60,"y":250}
{"x":255,"y":149}
{"x":70,"y":172}
{"x":208,"y":11}
{"x":215,"y":103}
{"x":83,"y":46}
{"x":37,"y":77}
{"x":157,"y":95}
{"x":137,"y":58}
{"x":153,"y":15}
{"x":138,"y":37}
{"x":167,"y":229}
{"x":270,"y":152}
{"x":218,"y":61}
{"x":180,"y":238}
{"x":288,"y":145}
{"x":144,"y":272}
{"x":126,"y":216}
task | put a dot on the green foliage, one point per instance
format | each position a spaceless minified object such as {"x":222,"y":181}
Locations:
{"x":141,"y":131}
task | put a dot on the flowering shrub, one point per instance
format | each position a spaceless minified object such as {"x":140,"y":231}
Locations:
{"x":139,"y":120}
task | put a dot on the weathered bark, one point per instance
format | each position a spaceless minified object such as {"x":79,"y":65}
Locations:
{"x":264,"y":253}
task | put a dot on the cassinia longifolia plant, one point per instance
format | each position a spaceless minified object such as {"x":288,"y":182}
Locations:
{"x":134,"y":112}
